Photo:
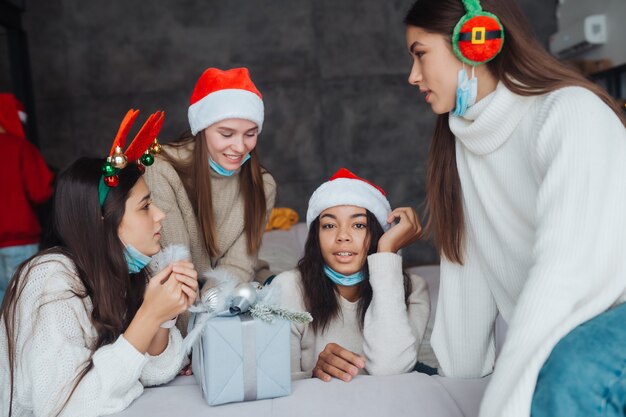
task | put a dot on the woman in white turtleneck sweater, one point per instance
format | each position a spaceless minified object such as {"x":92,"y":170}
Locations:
{"x":526,"y":195}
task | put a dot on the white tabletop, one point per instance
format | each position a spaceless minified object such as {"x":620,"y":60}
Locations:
{"x":399,"y":395}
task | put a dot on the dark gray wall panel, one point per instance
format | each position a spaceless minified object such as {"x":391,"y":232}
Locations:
{"x":332,"y":74}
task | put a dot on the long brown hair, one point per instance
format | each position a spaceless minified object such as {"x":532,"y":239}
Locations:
{"x":195,"y":174}
{"x":523,"y":66}
{"x":321,"y":294}
{"x":87,"y":235}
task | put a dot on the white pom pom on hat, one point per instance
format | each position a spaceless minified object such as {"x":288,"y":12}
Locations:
{"x":220,"y":95}
{"x":347,"y":189}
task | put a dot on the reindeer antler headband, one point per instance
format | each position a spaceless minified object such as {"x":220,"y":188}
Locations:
{"x":141,"y":150}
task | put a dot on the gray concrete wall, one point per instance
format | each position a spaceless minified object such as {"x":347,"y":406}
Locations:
{"x":332,"y":73}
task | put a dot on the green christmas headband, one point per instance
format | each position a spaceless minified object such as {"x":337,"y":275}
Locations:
{"x":478,"y":37}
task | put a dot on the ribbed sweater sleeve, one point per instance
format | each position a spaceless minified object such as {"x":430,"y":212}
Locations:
{"x":463,"y":334}
{"x":579,"y":264}
{"x":288,"y":284}
{"x":53,"y":348}
{"x":162,"y":368}
{"x":53,"y":344}
{"x":393,"y":332}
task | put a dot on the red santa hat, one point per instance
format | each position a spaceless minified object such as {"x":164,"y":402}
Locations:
{"x":221,"y":95}
{"x":12,"y":115}
{"x":347,"y":189}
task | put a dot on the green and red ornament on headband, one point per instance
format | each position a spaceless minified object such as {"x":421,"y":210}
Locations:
{"x":141,"y":150}
{"x":478,"y":37}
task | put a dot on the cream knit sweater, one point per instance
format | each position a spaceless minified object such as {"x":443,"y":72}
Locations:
{"x":392,"y":333}
{"x":54,"y":339}
{"x":544,"y":194}
{"x":181,"y":226}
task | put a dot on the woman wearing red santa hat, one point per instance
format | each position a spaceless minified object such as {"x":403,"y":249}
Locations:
{"x":211,"y":185}
{"x":369,"y":317}
{"x":26,"y":182}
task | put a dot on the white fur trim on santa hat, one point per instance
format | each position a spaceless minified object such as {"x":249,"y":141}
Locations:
{"x":348,"y":192}
{"x":22,"y":115}
{"x":226,"y":104}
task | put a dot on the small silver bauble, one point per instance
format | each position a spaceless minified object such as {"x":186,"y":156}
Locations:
{"x":212,"y":299}
{"x":244,"y":295}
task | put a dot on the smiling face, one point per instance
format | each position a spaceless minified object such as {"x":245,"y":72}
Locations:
{"x":230,"y":140}
{"x":344,"y":238}
{"x":141,"y":225}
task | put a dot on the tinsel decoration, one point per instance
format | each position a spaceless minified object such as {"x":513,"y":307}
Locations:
{"x":268,"y":313}
{"x":228,"y":297}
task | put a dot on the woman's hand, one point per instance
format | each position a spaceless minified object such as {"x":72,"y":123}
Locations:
{"x":184,"y":278}
{"x":335,"y":361}
{"x":185,"y":273}
{"x":164,"y":297}
{"x":406,"y":231}
{"x":186,"y":371}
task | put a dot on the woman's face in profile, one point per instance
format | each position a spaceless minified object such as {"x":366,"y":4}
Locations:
{"x":435,"y":68}
{"x":141,"y":224}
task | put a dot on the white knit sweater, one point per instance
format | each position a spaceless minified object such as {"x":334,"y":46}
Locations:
{"x":392,"y":333}
{"x":544,"y":193}
{"x":54,"y":335}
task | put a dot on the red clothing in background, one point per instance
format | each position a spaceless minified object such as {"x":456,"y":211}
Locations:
{"x":25,"y":181}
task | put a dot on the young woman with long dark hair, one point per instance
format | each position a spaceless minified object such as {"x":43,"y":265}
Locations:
{"x":84,"y":327}
{"x":525,"y":199}
{"x":368,"y":316}
{"x":211,"y":185}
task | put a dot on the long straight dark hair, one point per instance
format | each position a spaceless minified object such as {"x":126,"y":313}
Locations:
{"x":195,"y":175}
{"x":86,"y":234}
{"x":523,"y":66}
{"x":321,"y":294}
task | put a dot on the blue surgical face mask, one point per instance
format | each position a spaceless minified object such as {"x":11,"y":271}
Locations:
{"x":135,"y":260}
{"x":345,"y":280}
{"x":224,"y":172}
{"x":465,"y":92}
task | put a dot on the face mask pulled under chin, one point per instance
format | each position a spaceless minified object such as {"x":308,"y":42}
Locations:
{"x":465,"y":92}
{"x":344,"y":280}
{"x":135,"y":260}
{"x":221,"y":170}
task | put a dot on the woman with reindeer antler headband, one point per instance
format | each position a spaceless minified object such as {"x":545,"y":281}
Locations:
{"x":84,"y":327}
{"x":526,"y":195}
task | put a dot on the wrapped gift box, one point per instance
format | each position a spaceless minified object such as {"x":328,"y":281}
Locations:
{"x":242,"y":359}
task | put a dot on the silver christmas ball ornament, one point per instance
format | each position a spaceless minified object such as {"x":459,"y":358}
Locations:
{"x":212,"y":299}
{"x":244,"y":296}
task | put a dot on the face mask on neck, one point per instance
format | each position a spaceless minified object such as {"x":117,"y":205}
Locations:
{"x":465,"y":92}
{"x":224,"y":172}
{"x":344,"y":280}
{"x":135,"y":260}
